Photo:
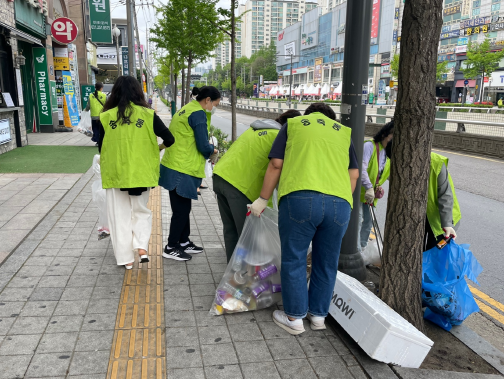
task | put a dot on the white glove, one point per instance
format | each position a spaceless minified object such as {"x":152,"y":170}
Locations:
{"x":258,"y":206}
{"x":449,"y":231}
{"x":369,"y":195}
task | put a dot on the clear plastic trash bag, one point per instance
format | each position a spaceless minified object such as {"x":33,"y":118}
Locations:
{"x":445,"y":293}
{"x":100,"y":200}
{"x":252,"y":277}
{"x":371,"y":254}
{"x":84,"y":126}
{"x":208,"y":169}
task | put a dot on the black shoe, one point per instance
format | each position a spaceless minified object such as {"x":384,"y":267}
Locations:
{"x":191,"y":248}
{"x":203,"y":187}
{"x":176,"y":253}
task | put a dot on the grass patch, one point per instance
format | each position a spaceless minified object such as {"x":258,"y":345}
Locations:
{"x":48,"y":159}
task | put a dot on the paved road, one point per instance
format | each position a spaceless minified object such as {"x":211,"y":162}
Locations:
{"x":478,"y":182}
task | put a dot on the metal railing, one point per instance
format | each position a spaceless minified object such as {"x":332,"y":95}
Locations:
{"x":488,"y":124}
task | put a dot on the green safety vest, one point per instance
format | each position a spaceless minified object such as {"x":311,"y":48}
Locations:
{"x":183,"y":156}
{"x":130,"y":152}
{"x":316,"y":157}
{"x":244,"y":164}
{"x":432,"y":200}
{"x":94,"y":105}
{"x":372,"y":171}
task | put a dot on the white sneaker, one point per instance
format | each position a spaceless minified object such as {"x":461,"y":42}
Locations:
{"x":293,"y":327}
{"x":316,"y":322}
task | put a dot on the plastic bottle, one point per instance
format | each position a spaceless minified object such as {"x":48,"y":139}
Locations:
{"x":265,"y":272}
{"x":237,"y":294}
{"x":276,"y":287}
{"x":264,"y":301}
{"x":240,"y":277}
{"x":240,"y":254}
{"x":260,"y":287}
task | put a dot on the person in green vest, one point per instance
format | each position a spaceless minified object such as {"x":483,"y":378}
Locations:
{"x":129,"y":163}
{"x":500,"y":102}
{"x":375,"y":171}
{"x":443,"y":210}
{"x":314,"y":162}
{"x":183,"y":167}
{"x":239,"y":174}
{"x":95,"y":105}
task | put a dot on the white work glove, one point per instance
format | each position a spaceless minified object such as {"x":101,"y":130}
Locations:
{"x":449,"y":231}
{"x":258,"y":206}
{"x":369,"y":196}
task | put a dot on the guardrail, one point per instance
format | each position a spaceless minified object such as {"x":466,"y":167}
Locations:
{"x":490,"y":144}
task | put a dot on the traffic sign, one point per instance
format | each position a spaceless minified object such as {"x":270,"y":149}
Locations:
{"x":64,"y":30}
{"x":466,"y":82}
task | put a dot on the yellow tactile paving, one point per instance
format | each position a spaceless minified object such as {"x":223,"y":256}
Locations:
{"x":138,"y":349}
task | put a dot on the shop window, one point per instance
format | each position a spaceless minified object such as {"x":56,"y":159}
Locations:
{"x":6,"y":70}
{"x":310,"y":77}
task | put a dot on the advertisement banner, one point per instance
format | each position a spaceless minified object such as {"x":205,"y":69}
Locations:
{"x":466,"y":8}
{"x":375,"y":19}
{"x":317,"y":72}
{"x":101,"y":23}
{"x":5,"y":132}
{"x":462,"y":41}
{"x":54,"y":98}
{"x":290,"y":49}
{"x":451,"y":10}
{"x":256,"y":90}
{"x":382,"y":85}
{"x":125,"y":60}
{"x":61,"y":64}
{"x":42,"y":85}
{"x":85,"y":92}
{"x":70,"y":111}
{"x":478,"y":30}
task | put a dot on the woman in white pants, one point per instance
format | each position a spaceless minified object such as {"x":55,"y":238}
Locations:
{"x":130,"y":167}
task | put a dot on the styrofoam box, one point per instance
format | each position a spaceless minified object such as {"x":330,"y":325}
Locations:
{"x":382,"y":333}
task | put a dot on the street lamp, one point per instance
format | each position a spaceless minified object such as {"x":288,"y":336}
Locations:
{"x":116,"y":32}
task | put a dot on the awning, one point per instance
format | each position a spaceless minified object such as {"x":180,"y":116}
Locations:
{"x":460,"y":84}
{"x":21,"y":35}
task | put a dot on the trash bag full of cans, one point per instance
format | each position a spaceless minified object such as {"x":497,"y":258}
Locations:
{"x":252,"y":277}
{"x":445,"y":292}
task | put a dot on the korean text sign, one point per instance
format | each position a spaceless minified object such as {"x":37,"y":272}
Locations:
{"x":101,"y":23}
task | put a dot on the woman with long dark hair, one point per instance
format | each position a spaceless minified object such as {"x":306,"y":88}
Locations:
{"x":95,"y":105}
{"x":375,"y":171}
{"x":130,"y":167}
{"x":183,"y":167}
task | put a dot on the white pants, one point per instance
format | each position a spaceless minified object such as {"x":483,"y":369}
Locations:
{"x":130,"y":223}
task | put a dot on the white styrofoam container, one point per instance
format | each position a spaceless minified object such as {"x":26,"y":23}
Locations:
{"x":381,"y":332}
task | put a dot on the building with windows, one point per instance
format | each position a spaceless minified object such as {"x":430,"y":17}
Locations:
{"x":260,"y":25}
{"x":317,"y":46}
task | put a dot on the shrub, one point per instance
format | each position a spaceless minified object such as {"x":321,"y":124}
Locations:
{"x":223,"y":143}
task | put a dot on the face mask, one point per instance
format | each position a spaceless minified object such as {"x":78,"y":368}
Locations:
{"x":214,"y":109}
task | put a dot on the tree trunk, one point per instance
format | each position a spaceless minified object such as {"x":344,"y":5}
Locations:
{"x":188,"y":83}
{"x":482,"y":92}
{"x":233,"y":72}
{"x":183,"y":91}
{"x":400,"y":281}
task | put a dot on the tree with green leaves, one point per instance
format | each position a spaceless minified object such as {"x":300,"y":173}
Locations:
{"x":441,"y":70}
{"x":481,"y":60}
{"x":186,"y":28}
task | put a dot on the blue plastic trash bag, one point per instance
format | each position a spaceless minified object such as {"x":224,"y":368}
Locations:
{"x":445,"y":293}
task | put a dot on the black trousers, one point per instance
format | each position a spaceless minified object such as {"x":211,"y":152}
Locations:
{"x":233,"y":210}
{"x":180,"y":226}
{"x":95,"y":125}
{"x":430,"y":239}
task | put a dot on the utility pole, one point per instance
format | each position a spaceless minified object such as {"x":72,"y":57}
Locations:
{"x":233,"y":72}
{"x":353,"y":115}
{"x":147,"y":60}
{"x":139,"y":46}
{"x":131,"y":39}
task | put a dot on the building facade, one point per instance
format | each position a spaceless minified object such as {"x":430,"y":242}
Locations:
{"x":317,"y":46}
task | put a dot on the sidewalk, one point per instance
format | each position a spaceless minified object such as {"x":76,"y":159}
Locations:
{"x":67,"y":310}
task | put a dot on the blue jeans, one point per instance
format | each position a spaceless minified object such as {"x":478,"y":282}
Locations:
{"x":306,"y":216}
{"x":365,"y":225}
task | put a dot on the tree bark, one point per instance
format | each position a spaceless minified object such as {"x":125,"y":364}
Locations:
{"x":182,"y":92}
{"x":413,"y":131}
{"x":188,"y":83}
{"x":233,"y":72}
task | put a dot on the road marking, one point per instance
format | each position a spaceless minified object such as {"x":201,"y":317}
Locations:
{"x":485,"y":297}
{"x":139,"y":348}
{"x":490,"y":311}
{"x":467,"y":155}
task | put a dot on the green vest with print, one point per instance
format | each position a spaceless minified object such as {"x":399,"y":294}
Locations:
{"x":244,"y":164}
{"x":94,"y":105}
{"x":130,"y":153}
{"x":433,"y":216}
{"x":317,"y":157}
{"x":372,"y":171}
{"x":183,"y":156}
